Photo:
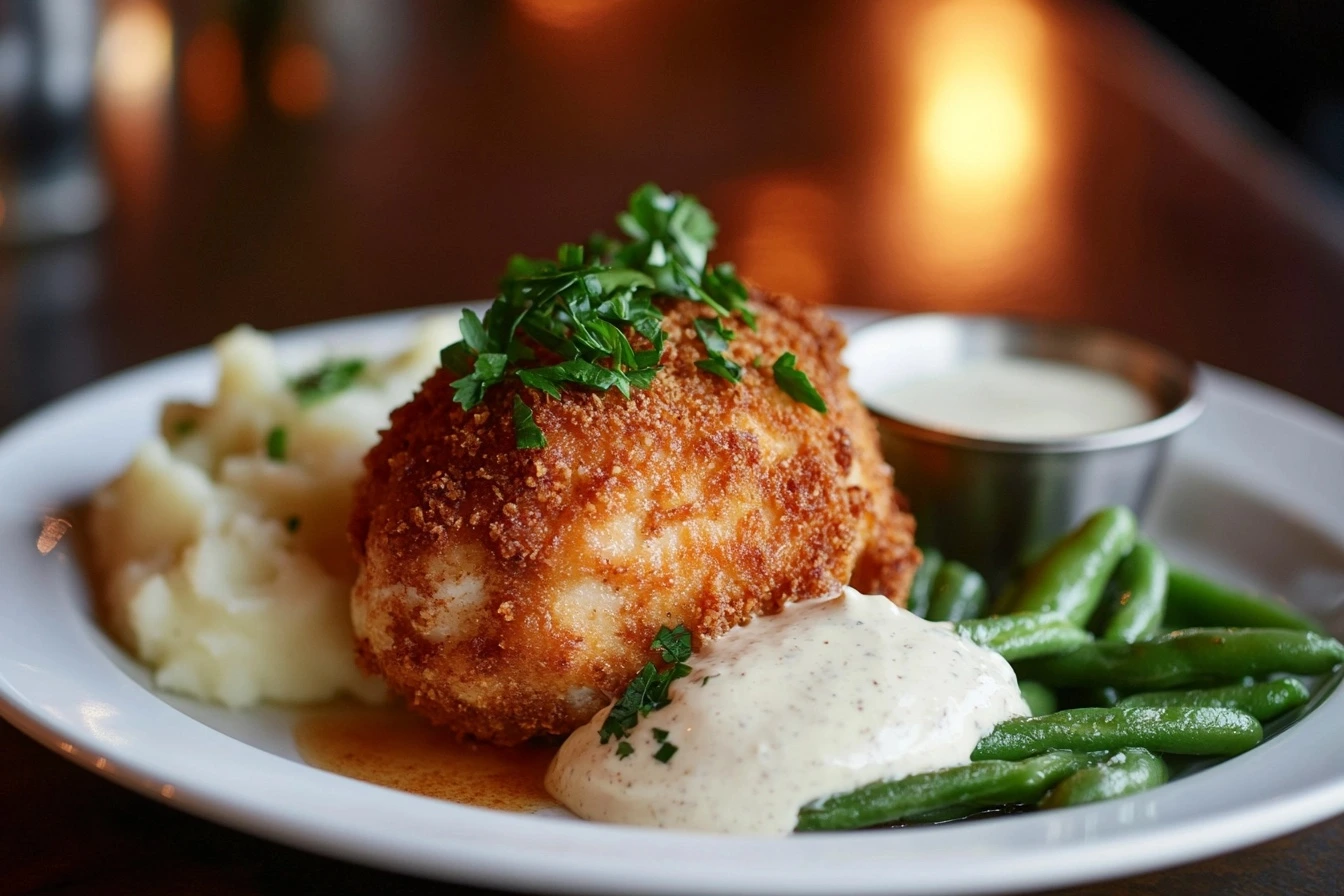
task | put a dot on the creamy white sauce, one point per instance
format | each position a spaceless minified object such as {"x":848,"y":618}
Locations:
{"x":822,"y":698}
{"x":1019,"y":398}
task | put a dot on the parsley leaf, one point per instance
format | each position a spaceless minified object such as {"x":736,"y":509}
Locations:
{"x":648,"y":690}
{"x":590,"y":311}
{"x":526,"y":432}
{"x":473,"y":332}
{"x":713,"y":334}
{"x":457,"y":358}
{"x":723,"y":367}
{"x":328,"y":379}
{"x":277,"y":442}
{"x":795,"y":383}
{"x":624,"y":749}
{"x":673,"y":643}
{"x":665,"y":753}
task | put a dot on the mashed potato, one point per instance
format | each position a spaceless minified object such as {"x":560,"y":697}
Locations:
{"x":222,"y":548}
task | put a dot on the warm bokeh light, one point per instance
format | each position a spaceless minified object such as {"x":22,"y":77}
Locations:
{"x":133,"y":76}
{"x":787,"y":241}
{"x":212,"y":77}
{"x":975,"y":69}
{"x":299,"y":83}
{"x":566,"y":15}
{"x":968,"y":176}
{"x":135,"y":53}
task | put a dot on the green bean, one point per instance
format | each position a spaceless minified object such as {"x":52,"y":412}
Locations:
{"x":1195,"y":600}
{"x":1136,"y":597}
{"x":958,"y":593}
{"x":979,"y":785}
{"x":1132,"y":770}
{"x":1198,"y":731}
{"x":1189,"y":657}
{"x":1265,"y":700}
{"x":1020,"y":636}
{"x":921,"y":586}
{"x":1072,"y":575}
{"x":1039,"y":698}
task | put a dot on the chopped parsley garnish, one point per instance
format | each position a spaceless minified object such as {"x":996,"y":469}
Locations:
{"x":327,"y":379}
{"x":665,"y":753}
{"x":704,"y":681}
{"x":623,"y":749}
{"x":184,"y":427}
{"x":590,"y":312}
{"x":660,"y":734}
{"x":277,"y":443}
{"x":292,"y":524}
{"x":673,"y":643}
{"x":796,"y":384}
{"x":648,"y":691}
{"x":529,"y":435}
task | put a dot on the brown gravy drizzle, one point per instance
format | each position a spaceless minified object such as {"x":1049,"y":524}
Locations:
{"x":396,"y":749}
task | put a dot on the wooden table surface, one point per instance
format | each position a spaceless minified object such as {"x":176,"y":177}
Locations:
{"x":1054,"y":160}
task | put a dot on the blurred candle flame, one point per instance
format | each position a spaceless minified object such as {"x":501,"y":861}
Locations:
{"x":966,"y":201}
{"x":978,"y":124}
{"x":134,"y":70}
{"x":135,"y":53}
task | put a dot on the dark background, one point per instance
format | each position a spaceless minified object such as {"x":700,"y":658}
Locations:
{"x":1283,"y":58}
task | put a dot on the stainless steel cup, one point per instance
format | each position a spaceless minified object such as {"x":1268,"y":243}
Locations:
{"x":990,"y":502}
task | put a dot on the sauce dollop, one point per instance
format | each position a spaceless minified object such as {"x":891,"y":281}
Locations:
{"x":822,"y":698}
{"x":1018,"y":399}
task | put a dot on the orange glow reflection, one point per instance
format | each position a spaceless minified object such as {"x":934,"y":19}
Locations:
{"x":212,"y":77}
{"x":135,"y":53}
{"x":787,"y":242}
{"x":134,"y":72}
{"x":965,"y":193}
{"x":53,"y":530}
{"x":566,"y":15}
{"x":299,"y":83}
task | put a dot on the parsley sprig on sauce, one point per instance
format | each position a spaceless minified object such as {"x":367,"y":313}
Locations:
{"x":648,"y":691}
{"x":585,"y":307}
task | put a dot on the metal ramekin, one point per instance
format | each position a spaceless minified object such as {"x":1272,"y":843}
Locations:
{"x":989,"y":502}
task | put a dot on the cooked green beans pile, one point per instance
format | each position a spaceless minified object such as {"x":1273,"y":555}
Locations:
{"x":1149,"y":660}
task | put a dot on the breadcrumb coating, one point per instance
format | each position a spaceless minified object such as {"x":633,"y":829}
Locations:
{"x":512,"y":593}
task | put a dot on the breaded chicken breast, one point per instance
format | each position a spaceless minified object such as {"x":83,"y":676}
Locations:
{"x":509,"y":593}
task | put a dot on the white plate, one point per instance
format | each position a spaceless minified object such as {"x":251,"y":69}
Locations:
{"x":1254,"y":491}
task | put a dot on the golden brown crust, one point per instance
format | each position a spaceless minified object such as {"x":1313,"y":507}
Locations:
{"x":509,"y":593}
